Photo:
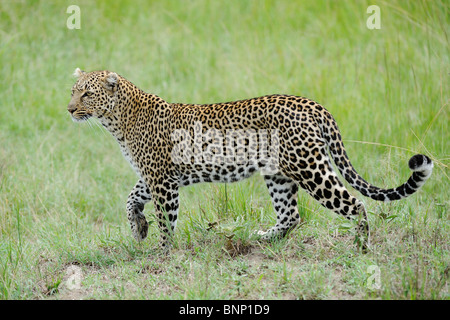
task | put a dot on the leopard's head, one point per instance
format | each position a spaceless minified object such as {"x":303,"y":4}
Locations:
{"x":93,"y":95}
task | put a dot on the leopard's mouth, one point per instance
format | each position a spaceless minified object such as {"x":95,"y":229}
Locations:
{"x":80,"y":116}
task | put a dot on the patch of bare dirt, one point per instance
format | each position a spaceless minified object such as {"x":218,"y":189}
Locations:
{"x":71,"y":287}
{"x":236,"y":248}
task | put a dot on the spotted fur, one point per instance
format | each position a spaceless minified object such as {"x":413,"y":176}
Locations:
{"x":144,"y":126}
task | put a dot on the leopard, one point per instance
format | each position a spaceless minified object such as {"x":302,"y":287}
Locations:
{"x":290,"y":140}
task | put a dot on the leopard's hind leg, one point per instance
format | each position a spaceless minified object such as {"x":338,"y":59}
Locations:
{"x":316,"y":175}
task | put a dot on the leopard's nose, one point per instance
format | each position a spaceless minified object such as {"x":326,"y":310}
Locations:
{"x":71,"y":108}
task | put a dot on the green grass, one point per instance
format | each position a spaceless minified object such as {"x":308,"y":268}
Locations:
{"x":63,"y":186}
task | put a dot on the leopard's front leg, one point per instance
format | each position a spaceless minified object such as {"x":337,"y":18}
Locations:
{"x":137,"y":199}
{"x":165,"y":198}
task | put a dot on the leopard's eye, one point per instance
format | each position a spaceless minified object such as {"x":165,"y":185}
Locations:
{"x":88,"y":94}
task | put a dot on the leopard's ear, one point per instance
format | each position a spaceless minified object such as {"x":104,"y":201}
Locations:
{"x":110,"y":81}
{"x":78,"y":72}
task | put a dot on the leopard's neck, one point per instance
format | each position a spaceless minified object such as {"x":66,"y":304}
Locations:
{"x":129,"y":116}
{"x":121,"y":116}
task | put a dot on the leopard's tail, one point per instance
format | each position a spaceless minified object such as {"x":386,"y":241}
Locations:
{"x":421,"y":165}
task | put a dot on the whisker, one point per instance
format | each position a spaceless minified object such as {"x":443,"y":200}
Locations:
{"x":102,"y":129}
{"x":89,"y":123}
